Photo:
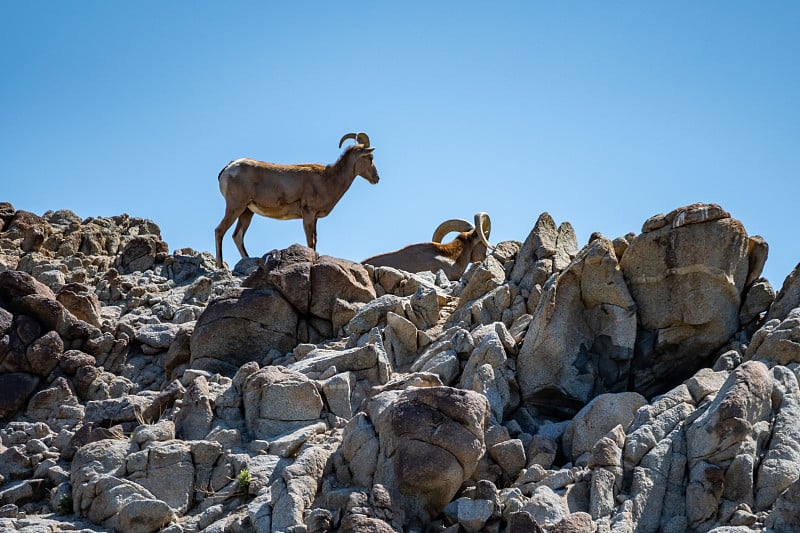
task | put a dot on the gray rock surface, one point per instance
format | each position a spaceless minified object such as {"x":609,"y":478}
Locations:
{"x":642,"y":383}
{"x":430,"y":441}
{"x":242,"y":326}
{"x":679,"y":326}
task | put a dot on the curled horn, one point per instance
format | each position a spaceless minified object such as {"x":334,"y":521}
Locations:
{"x":360,"y":138}
{"x":484,"y":225}
{"x":454,"y":224}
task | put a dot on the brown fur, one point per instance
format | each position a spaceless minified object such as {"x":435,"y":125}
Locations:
{"x":453,"y":257}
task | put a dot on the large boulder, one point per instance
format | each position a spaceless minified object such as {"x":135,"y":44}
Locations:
{"x":641,"y":313}
{"x":313,"y":284}
{"x":687,"y":272}
{"x":431,"y":439}
{"x":581,"y":339}
{"x":243,"y":325}
{"x":277,"y":401}
{"x":81,"y":302}
{"x":289,"y":272}
{"x":44,"y":353}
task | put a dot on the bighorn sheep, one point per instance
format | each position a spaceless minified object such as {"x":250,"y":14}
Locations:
{"x":469,"y":246}
{"x":308,"y":191}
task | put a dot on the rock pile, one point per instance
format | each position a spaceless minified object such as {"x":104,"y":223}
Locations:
{"x":646,"y":383}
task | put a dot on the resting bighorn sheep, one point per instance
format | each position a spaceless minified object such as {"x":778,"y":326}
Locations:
{"x":469,"y":246}
{"x":308,"y":191}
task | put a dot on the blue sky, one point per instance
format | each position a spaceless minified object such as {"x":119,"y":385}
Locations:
{"x":600,"y":113}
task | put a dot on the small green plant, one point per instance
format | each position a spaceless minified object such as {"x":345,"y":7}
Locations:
{"x":244,"y":479}
{"x":65,"y":504}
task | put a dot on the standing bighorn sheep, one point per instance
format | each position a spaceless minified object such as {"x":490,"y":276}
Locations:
{"x":469,"y":246}
{"x":308,"y":191}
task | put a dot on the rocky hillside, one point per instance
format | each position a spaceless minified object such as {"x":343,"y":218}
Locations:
{"x":646,"y":383}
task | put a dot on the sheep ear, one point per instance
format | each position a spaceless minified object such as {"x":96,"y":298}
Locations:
{"x":368,"y":151}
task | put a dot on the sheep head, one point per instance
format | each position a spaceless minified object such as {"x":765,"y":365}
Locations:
{"x":477,"y":234}
{"x":362,"y":151}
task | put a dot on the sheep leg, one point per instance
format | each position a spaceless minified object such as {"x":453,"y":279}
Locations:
{"x":241,"y":229}
{"x":230,"y":215}
{"x":310,"y":227}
